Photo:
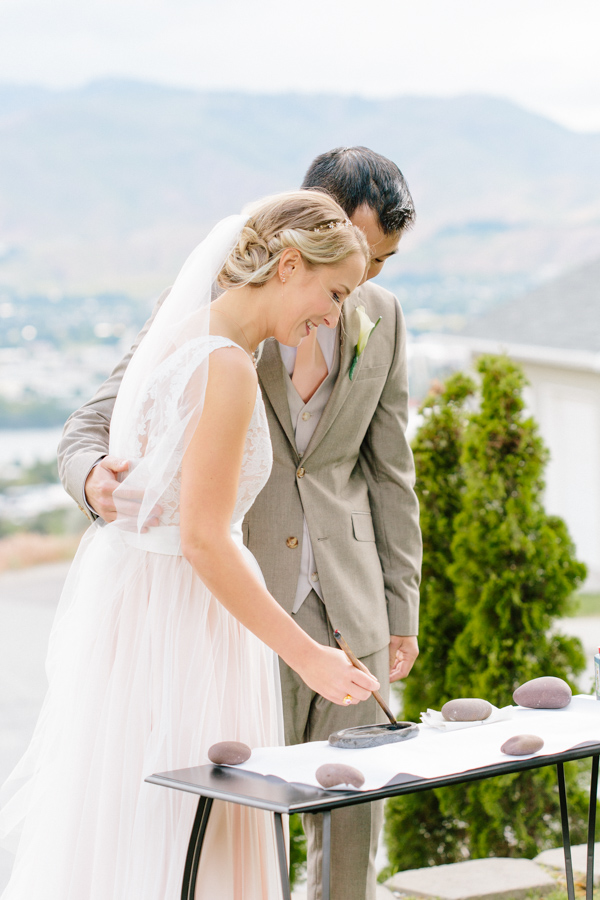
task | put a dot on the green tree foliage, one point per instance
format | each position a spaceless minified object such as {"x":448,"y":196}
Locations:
{"x":428,"y":836}
{"x":440,"y":486}
{"x":514,"y":567}
{"x":497,"y":571}
{"x":297,"y":850}
{"x":38,"y":473}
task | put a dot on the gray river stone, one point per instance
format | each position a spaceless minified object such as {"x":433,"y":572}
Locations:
{"x":466,"y":709}
{"x":229,"y":753}
{"x":522,"y":745}
{"x":333,"y":775}
{"x":546,"y":692}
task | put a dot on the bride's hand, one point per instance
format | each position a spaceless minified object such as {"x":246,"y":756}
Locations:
{"x":330,"y":673}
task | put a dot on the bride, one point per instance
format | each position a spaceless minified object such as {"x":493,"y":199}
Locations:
{"x":165,"y":639}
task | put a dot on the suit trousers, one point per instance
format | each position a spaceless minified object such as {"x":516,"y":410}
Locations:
{"x":309,"y":717}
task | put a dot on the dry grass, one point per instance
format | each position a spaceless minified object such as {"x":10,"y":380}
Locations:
{"x":28,"y":549}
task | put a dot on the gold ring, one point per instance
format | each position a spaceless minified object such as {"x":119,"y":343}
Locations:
{"x":348,"y":699}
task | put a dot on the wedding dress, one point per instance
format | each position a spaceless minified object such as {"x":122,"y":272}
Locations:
{"x":146,"y":671}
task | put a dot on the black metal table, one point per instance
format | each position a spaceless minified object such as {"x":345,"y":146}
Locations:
{"x":281,"y":797}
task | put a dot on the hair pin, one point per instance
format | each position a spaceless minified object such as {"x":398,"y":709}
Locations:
{"x":338,"y":224}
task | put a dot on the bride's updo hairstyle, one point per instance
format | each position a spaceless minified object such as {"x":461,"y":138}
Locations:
{"x":309,"y":221}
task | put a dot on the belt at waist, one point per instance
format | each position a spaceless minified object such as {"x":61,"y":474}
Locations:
{"x":166,"y":539}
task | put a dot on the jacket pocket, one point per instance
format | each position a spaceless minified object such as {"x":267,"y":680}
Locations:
{"x":362,"y":525}
{"x":372,"y":372}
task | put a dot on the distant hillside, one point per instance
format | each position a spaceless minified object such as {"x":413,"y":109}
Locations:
{"x":107,"y":188}
{"x":563,"y":313}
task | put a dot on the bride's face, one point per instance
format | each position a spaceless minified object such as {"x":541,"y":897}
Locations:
{"x":312,"y":296}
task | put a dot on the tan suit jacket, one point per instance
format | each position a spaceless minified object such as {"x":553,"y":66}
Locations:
{"x":354,"y":483}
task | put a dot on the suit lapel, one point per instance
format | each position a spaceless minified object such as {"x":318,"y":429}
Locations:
{"x":343,"y":385}
{"x":270,"y":373}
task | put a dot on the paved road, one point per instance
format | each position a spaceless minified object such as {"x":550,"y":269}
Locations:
{"x":27,"y":603}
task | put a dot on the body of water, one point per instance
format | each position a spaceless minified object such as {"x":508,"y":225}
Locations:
{"x":28,"y":445}
{"x":25,"y":446}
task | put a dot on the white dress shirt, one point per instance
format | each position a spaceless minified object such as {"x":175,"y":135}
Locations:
{"x":305,"y":418}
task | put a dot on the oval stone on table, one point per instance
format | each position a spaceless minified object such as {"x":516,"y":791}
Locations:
{"x":466,"y":709}
{"x":546,"y":692}
{"x":333,"y":775}
{"x":522,"y":745}
{"x":229,"y":753}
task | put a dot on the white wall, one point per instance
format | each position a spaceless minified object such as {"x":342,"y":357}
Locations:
{"x":566,"y":404}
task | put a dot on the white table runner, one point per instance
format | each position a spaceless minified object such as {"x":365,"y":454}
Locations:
{"x":436,"y":753}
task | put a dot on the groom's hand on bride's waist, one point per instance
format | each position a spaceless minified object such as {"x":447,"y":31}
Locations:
{"x":100,"y":486}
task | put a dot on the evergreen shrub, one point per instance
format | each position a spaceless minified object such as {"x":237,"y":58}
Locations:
{"x":497,"y":572}
{"x":297,"y":850}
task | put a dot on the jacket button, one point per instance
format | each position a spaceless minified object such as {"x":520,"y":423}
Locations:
{"x":292,"y":542}
{"x":300,"y":472}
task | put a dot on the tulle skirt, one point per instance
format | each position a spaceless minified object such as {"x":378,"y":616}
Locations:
{"x":146,"y":670}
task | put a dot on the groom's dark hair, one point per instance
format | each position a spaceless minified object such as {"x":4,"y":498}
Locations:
{"x":356,"y":176}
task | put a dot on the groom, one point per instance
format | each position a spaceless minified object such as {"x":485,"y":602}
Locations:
{"x":335,"y":530}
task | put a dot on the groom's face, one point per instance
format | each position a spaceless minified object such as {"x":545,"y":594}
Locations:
{"x":382,"y":245}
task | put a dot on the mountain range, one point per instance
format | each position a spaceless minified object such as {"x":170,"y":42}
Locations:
{"x":108,"y":187}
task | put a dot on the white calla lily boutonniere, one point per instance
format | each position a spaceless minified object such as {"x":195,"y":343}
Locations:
{"x":366,"y":330}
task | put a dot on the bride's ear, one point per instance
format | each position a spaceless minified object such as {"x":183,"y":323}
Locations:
{"x":289,"y":264}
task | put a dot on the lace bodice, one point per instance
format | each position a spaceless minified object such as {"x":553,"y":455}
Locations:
{"x":256,"y":462}
{"x":154,"y":422}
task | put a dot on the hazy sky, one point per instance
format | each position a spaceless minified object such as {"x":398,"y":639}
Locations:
{"x":541,"y":53}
